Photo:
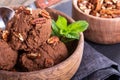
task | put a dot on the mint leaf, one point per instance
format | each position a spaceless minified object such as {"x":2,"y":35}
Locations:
{"x":68,"y":32}
{"x":55,"y":29}
{"x":73,"y":35}
{"x":63,"y":32}
{"x":61,"y":22}
{"x":78,"y":26}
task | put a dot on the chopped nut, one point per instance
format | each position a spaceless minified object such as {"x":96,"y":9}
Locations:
{"x":118,"y":5}
{"x":95,"y":13}
{"x":19,"y":10}
{"x":24,"y":10}
{"x":117,"y":12}
{"x":85,"y":2}
{"x":30,"y":10}
{"x":113,"y":11}
{"x":90,"y":6}
{"x":110,"y":6}
{"x":49,"y":62}
{"x":115,"y":16}
{"x":87,"y":11}
{"x":21,"y":37}
{"x":33,"y":55}
{"x":53,"y":40}
{"x":109,"y":2}
{"x":5,"y":35}
{"x":114,"y":1}
{"x":83,"y":8}
{"x":83,"y":5}
{"x":106,"y":16}
{"x":93,"y":1}
{"x":38,"y":21}
{"x":103,"y":7}
{"x":45,"y":14}
{"x":105,"y":11}
{"x":99,"y":5}
{"x":79,"y":1}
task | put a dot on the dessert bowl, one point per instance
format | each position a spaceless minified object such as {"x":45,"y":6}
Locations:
{"x":100,"y":30}
{"x":62,"y":71}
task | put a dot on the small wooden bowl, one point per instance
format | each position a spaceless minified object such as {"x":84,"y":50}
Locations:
{"x":100,"y":30}
{"x":62,"y":71}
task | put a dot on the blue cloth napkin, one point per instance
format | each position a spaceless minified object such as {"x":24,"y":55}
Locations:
{"x":95,"y":66}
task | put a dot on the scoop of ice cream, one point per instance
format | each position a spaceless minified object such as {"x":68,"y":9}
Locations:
{"x":29,"y":29}
{"x":8,"y":57}
{"x":49,"y":54}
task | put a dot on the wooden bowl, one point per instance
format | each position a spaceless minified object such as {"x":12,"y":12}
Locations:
{"x":62,"y":71}
{"x":100,"y":30}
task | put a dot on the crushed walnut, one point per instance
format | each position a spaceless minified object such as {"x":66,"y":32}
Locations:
{"x":100,"y":8}
{"x":38,"y":21}
{"x":19,"y":35}
{"x":33,"y":55}
{"x":45,"y":14}
{"x":53,"y":40}
{"x":5,"y":34}
{"x":27,"y":11}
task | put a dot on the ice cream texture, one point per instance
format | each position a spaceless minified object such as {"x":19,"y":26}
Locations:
{"x":28,"y":42}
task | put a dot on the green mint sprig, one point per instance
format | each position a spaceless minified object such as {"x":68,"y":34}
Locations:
{"x":67,"y":32}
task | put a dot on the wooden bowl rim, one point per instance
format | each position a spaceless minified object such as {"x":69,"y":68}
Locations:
{"x":74,"y":3}
{"x":80,"y":42}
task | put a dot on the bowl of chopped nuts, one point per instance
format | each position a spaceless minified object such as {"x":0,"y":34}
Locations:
{"x":103,"y":17}
{"x":42,"y":44}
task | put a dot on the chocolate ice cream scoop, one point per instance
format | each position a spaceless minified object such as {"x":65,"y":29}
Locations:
{"x":8,"y":56}
{"x":29,"y":29}
{"x":49,"y":54}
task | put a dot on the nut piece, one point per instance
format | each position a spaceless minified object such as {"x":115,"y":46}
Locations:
{"x":79,"y":1}
{"x":24,"y":10}
{"x":118,"y":5}
{"x":5,"y":35}
{"x":19,"y":36}
{"x":33,"y":55}
{"x":110,"y":12}
{"x":38,"y":21}
{"x":45,"y":14}
{"x":99,"y":5}
{"x":29,"y":9}
{"x":53,"y":40}
{"x":114,"y":1}
{"x":49,"y":62}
